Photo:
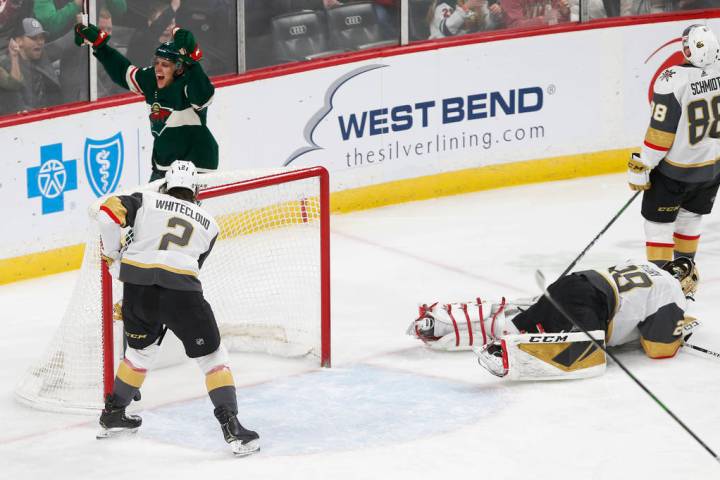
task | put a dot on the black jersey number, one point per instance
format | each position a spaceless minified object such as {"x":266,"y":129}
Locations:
{"x":703,"y":118}
{"x":183,"y":239}
{"x":630,"y":277}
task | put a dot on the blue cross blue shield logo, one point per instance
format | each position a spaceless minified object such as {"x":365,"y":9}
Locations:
{"x":104,"y":163}
{"x":52,"y":178}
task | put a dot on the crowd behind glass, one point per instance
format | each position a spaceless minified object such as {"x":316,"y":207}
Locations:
{"x":40,"y":66}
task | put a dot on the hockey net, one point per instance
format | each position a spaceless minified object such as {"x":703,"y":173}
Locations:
{"x":267,"y":280}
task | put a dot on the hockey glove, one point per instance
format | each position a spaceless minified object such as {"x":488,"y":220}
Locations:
{"x":638,"y":173}
{"x":185,"y":42}
{"x":90,"y":34}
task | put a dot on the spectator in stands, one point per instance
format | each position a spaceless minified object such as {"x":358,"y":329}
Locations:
{"x":215,"y":24}
{"x":456,"y":17}
{"x":388,"y":13}
{"x":40,"y":85}
{"x":596,"y":9}
{"x":160,"y":22}
{"x":11,"y":13}
{"x":644,"y":7}
{"x":696,"y":4}
{"x":529,"y":13}
{"x":10,"y":81}
{"x":59,"y":16}
{"x":74,"y":68}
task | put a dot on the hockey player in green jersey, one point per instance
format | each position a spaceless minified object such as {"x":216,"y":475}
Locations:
{"x":177,"y":91}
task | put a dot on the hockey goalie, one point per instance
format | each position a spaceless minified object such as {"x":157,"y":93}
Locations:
{"x":529,"y":339}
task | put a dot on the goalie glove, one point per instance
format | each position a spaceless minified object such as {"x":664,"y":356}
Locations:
{"x":638,"y":173}
{"x":91,"y":35}
{"x":190,"y":52}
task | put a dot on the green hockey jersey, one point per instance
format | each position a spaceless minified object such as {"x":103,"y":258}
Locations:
{"x":178,"y":112}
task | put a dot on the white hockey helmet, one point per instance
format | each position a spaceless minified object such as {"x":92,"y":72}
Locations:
{"x":700,"y":45}
{"x":182,"y":174}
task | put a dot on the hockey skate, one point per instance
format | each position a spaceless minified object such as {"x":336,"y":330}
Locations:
{"x":114,"y":422}
{"x":492,"y":358}
{"x":242,"y":441}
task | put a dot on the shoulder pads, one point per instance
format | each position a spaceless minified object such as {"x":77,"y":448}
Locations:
{"x":668,"y":80}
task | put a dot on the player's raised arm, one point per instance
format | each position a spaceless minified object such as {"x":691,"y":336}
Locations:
{"x":117,"y":66}
{"x":199,"y":88}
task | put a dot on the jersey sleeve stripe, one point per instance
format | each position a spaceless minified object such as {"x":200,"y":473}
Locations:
{"x":655,"y":147}
{"x":115,"y":210}
{"x":658,"y":138}
{"x":131,"y":81}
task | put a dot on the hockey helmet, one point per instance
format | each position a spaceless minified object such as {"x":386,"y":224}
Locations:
{"x":169,"y":51}
{"x":700,"y":46}
{"x":182,"y":174}
{"x":685,"y":271}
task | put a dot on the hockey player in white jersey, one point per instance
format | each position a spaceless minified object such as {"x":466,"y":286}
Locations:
{"x":172,"y":237}
{"x":625,"y":303}
{"x":678,"y":165}
{"x":448,"y":18}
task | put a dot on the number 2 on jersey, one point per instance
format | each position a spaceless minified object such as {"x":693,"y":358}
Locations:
{"x":183,"y":239}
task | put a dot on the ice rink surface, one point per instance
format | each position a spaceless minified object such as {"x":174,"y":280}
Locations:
{"x":389,"y":408}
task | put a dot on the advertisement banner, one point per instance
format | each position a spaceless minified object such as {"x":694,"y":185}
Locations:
{"x":369,"y":122}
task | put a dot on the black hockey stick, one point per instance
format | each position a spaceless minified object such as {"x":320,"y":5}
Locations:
{"x":540,"y":278}
{"x":700,"y":349}
{"x":612,"y":220}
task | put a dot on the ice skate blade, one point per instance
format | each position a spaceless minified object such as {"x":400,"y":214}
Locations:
{"x":105,"y":433}
{"x":240,"y":450}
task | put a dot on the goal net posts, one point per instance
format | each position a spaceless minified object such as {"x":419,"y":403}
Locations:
{"x":267,"y":281}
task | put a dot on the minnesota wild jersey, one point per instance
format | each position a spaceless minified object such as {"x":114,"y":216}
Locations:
{"x":178,"y":112}
{"x":646,"y":303}
{"x":171,"y":239}
{"x":683,"y":138}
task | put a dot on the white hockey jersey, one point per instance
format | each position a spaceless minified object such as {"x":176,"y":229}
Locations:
{"x":449,"y":20}
{"x":683,"y":139}
{"x":648,"y":305}
{"x":171,"y":239}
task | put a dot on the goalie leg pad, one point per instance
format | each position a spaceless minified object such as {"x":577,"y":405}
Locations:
{"x":551,"y":356}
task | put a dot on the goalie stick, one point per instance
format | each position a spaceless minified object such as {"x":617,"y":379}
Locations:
{"x":540,"y":278}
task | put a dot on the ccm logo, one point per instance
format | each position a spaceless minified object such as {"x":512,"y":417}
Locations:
{"x":549,"y":339}
{"x":354,"y":20}
{"x":298,"y":30}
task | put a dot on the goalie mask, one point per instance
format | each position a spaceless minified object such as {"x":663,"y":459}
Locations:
{"x":685,"y":271}
{"x":182,"y":174}
{"x":700,"y":46}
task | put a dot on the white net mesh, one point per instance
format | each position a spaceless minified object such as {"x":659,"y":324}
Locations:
{"x":262,"y":280}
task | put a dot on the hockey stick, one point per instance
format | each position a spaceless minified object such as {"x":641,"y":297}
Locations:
{"x":540,"y":278}
{"x":710,"y":353}
{"x":612,"y":220}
